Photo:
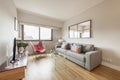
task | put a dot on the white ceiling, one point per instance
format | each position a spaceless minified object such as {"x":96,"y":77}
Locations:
{"x":58,"y":9}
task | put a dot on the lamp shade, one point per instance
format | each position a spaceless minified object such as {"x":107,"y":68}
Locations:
{"x":60,"y":40}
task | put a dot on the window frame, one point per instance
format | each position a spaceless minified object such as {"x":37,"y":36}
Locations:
{"x":22,"y":33}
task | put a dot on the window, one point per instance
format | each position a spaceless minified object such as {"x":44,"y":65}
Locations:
{"x":31,"y":32}
{"x":36,"y":33}
{"x":45,"y":33}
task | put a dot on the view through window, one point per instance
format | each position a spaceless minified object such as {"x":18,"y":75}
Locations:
{"x":45,"y":33}
{"x":36,"y":33}
{"x":31,"y":32}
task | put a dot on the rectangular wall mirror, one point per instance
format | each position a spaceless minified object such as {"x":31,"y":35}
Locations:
{"x":73,"y":31}
{"x":80,"y":30}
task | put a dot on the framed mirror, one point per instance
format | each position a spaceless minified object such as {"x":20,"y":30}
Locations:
{"x":73,"y":31}
{"x":84,"y":29}
{"x":80,"y":30}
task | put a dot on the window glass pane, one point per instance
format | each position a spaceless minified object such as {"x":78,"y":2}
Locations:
{"x":45,"y":33}
{"x":31,"y":32}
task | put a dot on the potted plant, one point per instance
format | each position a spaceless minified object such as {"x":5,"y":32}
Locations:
{"x":22,"y":46}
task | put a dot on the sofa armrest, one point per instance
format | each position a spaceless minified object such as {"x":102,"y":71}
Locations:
{"x":93,"y":59}
{"x":57,"y":46}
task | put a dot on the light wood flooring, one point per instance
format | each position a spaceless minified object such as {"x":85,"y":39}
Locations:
{"x":55,"y":67}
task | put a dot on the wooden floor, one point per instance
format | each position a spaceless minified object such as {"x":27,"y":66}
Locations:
{"x":55,"y":67}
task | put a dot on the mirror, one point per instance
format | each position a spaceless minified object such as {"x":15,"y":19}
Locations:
{"x":84,"y":29}
{"x":80,"y":30}
{"x":73,"y":31}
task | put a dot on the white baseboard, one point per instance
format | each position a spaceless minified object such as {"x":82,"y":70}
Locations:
{"x":111,"y":66}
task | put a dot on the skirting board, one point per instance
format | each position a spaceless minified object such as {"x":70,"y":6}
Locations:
{"x":111,"y":66}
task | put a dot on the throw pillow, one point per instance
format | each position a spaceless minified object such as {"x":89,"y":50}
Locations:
{"x":65,"y":46}
{"x":88,"y":47}
{"x":76,"y":48}
{"x":73,"y":48}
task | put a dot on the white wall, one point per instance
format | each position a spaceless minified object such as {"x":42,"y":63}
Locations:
{"x":105,"y":30}
{"x":29,"y":17}
{"x":7,"y":14}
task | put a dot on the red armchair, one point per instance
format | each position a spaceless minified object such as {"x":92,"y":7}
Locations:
{"x":38,"y":48}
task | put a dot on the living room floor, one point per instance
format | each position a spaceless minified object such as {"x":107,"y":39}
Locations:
{"x":55,"y":67}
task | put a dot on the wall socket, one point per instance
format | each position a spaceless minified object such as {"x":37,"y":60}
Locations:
{"x":107,"y":59}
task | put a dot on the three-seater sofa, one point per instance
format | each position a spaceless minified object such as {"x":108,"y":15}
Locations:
{"x":89,"y":59}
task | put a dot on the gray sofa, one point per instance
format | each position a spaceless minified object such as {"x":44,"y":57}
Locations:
{"x":89,"y":59}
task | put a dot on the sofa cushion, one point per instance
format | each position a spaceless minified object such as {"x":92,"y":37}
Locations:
{"x":80,"y":57}
{"x":87,"y":47}
{"x":61,"y":50}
